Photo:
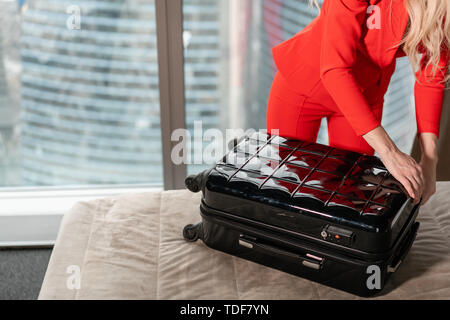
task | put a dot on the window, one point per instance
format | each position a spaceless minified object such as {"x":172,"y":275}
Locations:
{"x":79,"y":97}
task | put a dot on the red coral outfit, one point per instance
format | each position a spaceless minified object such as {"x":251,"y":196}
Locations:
{"x":339,"y":67}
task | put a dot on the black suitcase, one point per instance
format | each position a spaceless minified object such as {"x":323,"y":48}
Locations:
{"x":329,"y":215}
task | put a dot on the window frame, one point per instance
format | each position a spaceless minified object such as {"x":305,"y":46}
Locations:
{"x":31,"y":216}
{"x":169,"y":29}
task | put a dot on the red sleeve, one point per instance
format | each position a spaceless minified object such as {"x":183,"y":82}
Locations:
{"x":429,"y":94}
{"x":341,"y":34}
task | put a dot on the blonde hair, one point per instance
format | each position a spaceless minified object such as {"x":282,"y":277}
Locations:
{"x":314,"y":3}
{"x":429,"y":28}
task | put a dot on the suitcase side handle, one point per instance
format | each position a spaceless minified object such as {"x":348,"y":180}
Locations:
{"x":307,"y":260}
{"x":404,"y":249}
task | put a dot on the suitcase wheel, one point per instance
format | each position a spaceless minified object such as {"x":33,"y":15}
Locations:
{"x":192,"y":232}
{"x":193,"y":183}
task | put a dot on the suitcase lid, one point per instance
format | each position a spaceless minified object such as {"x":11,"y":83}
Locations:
{"x":332,"y":184}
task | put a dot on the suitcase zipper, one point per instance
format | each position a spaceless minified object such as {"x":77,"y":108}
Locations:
{"x":233,"y":220}
{"x":303,"y":246}
{"x":313,"y":261}
{"x":354,"y":253}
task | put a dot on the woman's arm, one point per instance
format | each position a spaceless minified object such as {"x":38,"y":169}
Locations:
{"x":342,"y":32}
{"x":343,"y":20}
{"x":428,"y":144}
{"x":429,"y":95}
{"x":428,"y":162}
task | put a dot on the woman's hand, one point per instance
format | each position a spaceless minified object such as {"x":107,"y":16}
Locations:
{"x":428,"y":166}
{"x":402,"y":167}
{"x":407,"y":171}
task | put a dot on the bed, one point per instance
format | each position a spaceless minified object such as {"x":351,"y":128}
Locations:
{"x":131,"y":247}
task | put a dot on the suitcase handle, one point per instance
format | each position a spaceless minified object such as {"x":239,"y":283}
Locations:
{"x":307,"y":260}
{"x":404,"y":249}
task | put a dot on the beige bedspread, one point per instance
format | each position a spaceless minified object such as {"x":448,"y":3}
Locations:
{"x":131,"y":247}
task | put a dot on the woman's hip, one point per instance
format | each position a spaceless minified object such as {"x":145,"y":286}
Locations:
{"x":284,"y":102}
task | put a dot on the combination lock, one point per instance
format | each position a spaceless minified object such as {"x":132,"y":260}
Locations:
{"x":337,"y":235}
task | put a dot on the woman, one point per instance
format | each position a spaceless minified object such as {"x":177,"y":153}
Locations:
{"x":340,"y":66}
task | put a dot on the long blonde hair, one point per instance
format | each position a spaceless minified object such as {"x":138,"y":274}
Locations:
{"x":429,"y":26}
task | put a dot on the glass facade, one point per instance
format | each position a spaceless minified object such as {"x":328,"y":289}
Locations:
{"x":89,"y":103}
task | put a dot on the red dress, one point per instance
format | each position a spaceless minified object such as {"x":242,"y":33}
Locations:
{"x":340,"y":66}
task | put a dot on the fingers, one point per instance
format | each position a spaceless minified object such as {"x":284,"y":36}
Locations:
{"x":411,"y":187}
{"x":408,"y":172}
{"x":428,"y":194}
{"x":407,"y":184}
{"x":416,"y":188}
{"x":417,"y":181}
